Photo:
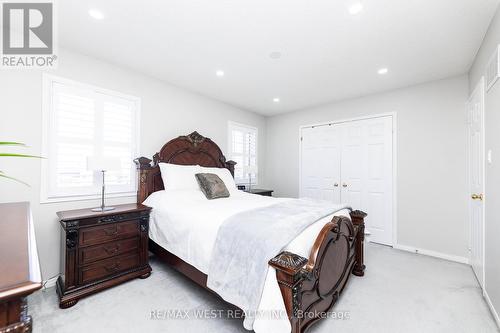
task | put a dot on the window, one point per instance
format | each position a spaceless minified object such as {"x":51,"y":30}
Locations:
{"x":82,"y":121}
{"x":243,"y":150}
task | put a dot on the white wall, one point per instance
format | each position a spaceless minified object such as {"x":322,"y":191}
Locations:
{"x":431,"y":146}
{"x":167,"y":112}
{"x":492,"y":141}
{"x":431,"y":184}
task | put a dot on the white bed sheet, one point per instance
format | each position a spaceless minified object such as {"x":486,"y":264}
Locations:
{"x":185,"y":223}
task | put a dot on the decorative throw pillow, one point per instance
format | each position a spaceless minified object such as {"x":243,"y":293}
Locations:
{"x":225,"y":176}
{"x":212,"y":186}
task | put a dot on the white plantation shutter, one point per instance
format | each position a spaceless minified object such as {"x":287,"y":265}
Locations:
{"x":243,"y":150}
{"x":118,"y":140}
{"x":84,"y":121}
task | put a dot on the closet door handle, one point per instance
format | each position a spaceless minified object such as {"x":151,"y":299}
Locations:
{"x":336,"y":185}
{"x":344,"y":185}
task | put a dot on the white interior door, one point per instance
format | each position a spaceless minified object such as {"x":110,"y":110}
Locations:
{"x":367,"y":173}
{"x":320,"y":163}
{"x":476,"y":184}
{"x":351,"y":162}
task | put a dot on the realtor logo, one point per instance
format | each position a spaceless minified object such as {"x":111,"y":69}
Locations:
{"x":28,"y":35}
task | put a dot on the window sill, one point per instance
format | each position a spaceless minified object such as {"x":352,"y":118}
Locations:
{"x":86,"y":197}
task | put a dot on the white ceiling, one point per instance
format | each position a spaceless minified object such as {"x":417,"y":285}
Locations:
{"x":327,"y":54}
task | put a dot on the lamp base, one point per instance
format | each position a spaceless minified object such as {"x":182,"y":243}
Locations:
{"x":102,"y":209}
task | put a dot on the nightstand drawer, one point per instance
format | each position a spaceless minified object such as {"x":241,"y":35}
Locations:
{"x":107,"y":250}
{"x":111,"y":219}
{"x":109,"y":267}
{"x":105,"y":233}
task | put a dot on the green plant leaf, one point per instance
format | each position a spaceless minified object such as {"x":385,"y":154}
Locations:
{"x":7,"y":143}
{"x":2,"y":175}
{"x":11,"y":143}
{"x":18,"y":155}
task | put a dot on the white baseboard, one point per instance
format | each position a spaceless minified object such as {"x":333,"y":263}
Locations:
{"x":50,"y":282}
{"x":492,"y":308}
{"x":430,"y":253}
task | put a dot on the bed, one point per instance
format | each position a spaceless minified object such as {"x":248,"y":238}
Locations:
{"x":304,"y":281}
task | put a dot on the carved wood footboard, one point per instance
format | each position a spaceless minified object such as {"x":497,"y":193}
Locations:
{"x":310,"y":287}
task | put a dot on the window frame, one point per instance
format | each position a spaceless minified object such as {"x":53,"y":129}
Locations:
{"x":48,"y":80}
{"x":232,"y":125}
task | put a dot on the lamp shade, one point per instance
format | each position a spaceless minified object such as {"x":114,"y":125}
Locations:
{"x":99,"y":163}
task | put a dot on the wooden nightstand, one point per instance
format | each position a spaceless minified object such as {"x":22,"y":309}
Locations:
{"x":259,"y":191}
{"x":101,"y":250}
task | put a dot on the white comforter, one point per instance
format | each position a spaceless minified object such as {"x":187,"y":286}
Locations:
{"x":185,"y":223}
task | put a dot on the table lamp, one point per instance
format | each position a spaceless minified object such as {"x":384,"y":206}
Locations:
{"x":250,"y":170}
{"x":103,"y":164}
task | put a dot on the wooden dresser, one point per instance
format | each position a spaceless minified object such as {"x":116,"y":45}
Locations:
{"x":19,"y":266}
{"x":101,"y":250}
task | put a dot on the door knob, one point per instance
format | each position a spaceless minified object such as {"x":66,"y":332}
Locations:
{"x":344,"y":185}
{"x":477,"y":196}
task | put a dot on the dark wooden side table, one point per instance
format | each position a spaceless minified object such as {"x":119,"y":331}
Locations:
{"x":260,"y":191}
{"x":102,"y":249}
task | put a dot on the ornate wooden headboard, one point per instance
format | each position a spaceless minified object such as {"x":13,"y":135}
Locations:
{"x":190,"y":149}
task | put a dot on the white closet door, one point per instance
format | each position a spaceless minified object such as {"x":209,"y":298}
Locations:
{"x":320,"y":163}
{"x":353,"y":163}
{"x":366,"y":179}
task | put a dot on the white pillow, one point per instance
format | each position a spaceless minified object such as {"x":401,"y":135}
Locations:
{"x":225,"y":176}
{"x":179,"y":177}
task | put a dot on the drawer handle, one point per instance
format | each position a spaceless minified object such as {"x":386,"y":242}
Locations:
{"x":107,"y":219}
{"x":113,"y":268}
{"x":111,"y":232}
{"x":112,"y":250}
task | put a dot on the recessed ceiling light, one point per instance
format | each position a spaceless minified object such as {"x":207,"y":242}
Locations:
{"x":356,"y":8}
{"x":275,"y":55}
{"x":276,"y":100}
{"x":383,"y":71}
{"x":97,"y":14}
{"x":219,"y":73}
